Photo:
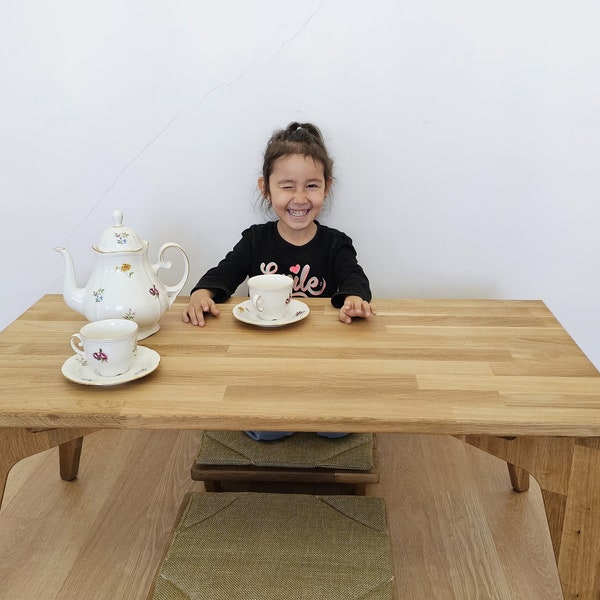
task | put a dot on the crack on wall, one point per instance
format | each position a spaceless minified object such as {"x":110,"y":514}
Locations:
{"x":186,"y":110}
{"x":310,"y":18}
{"x":151,"y":142}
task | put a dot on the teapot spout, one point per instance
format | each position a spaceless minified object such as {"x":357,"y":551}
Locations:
{"x":72,"y":294}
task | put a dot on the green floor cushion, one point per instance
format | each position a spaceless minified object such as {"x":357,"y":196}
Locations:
{"x":253,"y":546}
{"x":302,"y":450}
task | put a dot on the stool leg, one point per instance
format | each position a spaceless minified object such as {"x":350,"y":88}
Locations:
{"x":360,"y":489}
{"x":212,"y":486}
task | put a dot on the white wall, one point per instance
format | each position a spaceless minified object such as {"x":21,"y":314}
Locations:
{"x":466,"y":136}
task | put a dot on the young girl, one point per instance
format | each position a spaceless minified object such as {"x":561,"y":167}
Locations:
{"x":296,"y":178}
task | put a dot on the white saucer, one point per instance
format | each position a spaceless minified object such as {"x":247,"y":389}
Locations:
{"x":76,"y":369}
{"x":294,"y":311}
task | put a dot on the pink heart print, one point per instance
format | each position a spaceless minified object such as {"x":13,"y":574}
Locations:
{"x":295,"y":269}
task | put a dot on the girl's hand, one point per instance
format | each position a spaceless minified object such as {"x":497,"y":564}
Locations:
{"x":200,"y":302}
{"x":355,"y":306}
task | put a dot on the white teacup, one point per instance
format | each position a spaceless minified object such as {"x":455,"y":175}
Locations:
{"x":108,"y":346}
{"x":270,"y":295}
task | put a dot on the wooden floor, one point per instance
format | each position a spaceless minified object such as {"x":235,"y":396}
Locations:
{"x":459,"y":530}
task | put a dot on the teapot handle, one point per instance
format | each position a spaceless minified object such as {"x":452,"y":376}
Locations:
{"x":172,"y":290}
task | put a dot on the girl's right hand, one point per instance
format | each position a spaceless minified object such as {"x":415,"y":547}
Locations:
{"x":200,"y":302}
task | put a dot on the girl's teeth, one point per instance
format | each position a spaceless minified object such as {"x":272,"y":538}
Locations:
{"x":298,"y":213}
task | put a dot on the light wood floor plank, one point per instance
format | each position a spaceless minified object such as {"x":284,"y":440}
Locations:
{"x":459,"y":530}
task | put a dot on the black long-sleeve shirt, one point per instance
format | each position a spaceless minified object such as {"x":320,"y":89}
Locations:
{"x":326,"y":266}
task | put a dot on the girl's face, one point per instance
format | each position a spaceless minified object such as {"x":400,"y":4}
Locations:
{"x":297,"y":190}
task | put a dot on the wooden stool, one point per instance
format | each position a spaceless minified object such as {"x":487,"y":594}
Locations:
{"x":297,"y":463}
{"x":232,"y":545}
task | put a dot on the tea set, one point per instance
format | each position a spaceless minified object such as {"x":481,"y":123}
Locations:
{"x":124,"y":288}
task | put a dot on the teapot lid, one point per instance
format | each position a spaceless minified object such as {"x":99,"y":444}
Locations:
{"x":119,"y":238}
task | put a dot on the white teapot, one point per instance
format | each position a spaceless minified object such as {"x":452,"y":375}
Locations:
{"x":123,"y":283}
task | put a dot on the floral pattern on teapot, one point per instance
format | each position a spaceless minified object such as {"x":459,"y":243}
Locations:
{"x":98,"y":294}
{"x":121,"y":238}
{"x":125,"y":268}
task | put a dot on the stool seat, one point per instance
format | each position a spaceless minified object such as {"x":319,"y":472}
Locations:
{"x":304,"y":458}
{"x":277,"y":547}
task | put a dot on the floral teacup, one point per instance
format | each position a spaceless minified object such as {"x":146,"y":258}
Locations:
{"x":108,"y":346}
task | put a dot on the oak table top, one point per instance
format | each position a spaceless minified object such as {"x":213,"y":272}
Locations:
{"x":504,"y":375}
{"x":494,"y":367}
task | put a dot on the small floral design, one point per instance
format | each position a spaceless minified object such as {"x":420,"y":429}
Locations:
{"x":154,"y":291}
{"x":125,"y":268}
{"x":121,"y":238}
{"x":129,"y":315}
{"x":100,"y":356}
{"x":300,"y":312}
{"x":98,"y":294}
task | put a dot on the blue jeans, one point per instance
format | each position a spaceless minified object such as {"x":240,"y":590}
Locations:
{"x":264,"y":436}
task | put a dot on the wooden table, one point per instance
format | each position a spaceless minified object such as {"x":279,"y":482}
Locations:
{"x":503,"y":375}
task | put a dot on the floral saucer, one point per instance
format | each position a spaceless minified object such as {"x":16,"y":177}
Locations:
{"x":76,"y":369}
{"x":294,"y":311}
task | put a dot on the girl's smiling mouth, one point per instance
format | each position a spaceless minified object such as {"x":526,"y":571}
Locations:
{"x":298,"y":213}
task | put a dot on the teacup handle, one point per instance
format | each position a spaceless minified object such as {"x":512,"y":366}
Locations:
{"x":257,"y":302}
{"x":77,"y":344}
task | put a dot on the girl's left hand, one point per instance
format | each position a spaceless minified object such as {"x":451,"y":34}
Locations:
{"x":355,"y":306}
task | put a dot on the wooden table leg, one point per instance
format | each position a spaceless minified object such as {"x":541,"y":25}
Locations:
{"x":69,"y":454}
{"x":17,"y":443}
{"x":568,"y":471}
{"x":519,"y":478}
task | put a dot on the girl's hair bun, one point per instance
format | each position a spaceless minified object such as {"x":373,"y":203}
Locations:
{"x":304,"y":132}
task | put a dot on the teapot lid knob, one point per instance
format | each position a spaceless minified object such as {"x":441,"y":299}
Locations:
{"x":119,"y":238}
{"x":117,"y":217}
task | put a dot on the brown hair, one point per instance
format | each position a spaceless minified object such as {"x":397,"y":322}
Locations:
{"x":297,"y":138}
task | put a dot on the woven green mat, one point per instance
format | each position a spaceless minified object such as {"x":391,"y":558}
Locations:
{"x":302,"y":450}
{"x":249,"y":546}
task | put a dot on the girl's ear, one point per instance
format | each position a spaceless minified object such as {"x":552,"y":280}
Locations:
{"x":328,"y":185}
{"x":262,"y":187}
